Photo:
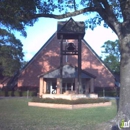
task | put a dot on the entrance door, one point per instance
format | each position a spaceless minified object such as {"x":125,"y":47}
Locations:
{"x":68,"y":85}
{"x":51,"y":86}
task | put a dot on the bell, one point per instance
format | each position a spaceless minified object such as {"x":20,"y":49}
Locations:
{"x":70,"y":47}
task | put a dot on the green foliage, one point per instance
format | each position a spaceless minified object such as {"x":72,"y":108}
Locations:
{"x":65,"y":101}
{"x":107,"y":91}
{"x":111,"y":55}
{"x":15,"y":14}
{"x":11,"y":53}
{"x":17,"y":93}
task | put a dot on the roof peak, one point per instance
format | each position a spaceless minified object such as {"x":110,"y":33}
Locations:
{"x":70,"y":29}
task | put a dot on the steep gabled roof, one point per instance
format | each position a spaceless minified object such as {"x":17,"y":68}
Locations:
{"x":44,"y":45}
{"x":68,"y":71}
{"x":70,"y":29}
{"x":51,"y":38}
{"x":98,"y":57}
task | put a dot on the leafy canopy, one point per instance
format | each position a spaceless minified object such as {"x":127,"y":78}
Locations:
{"x":11,"y":53}
{"x":16,"y":14}
{"x":111,"y":55}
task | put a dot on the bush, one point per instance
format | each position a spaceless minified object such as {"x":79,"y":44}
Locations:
{"x":65,"y":101}
{"x":17,"y":93}
{"x":33,"y":93}
{"x":6,"y":94}
{"x":1,"y":93}
{"x":108,"y":92}
{"x":12,"y":93}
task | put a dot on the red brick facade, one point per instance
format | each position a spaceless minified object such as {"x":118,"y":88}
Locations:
{"x":48,"y":59}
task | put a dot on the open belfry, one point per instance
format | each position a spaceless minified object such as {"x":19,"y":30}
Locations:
{"x":71,"y":31}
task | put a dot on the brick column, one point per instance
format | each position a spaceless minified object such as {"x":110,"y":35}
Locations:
{"x":41,"y":86}
{"x":71,"y":86}
{"x":58,"y":85}
{"x":76,"y":86}
{"x":44,"y":85}
{"x":65,"y":87}
{"x":91,"y":85}
{"x":87,"y":87}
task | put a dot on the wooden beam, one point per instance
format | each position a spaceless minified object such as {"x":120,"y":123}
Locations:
{"x":61,"y":62}
{"x":79,"y":64}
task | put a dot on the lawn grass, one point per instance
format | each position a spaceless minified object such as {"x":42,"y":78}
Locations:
{"x":15,"y":114}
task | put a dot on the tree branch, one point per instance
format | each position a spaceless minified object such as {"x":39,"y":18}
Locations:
{"x":74,"y":5}
{"x":106,"y":13}
{"x":125,"y":4}
{"x":112,"y":23}
{"x":109,"y":17}
{"x":69,"y":14}
{"x":105,"y":3}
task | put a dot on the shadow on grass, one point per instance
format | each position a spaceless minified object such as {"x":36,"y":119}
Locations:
{"x":117,"y":103}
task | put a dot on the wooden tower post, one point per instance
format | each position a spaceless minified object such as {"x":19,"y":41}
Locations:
{"x":71,"y":30}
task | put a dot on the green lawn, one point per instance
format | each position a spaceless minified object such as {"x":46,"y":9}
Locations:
{"x":15,"y":114}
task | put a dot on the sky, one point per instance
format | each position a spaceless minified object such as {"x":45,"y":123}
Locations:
{"x":42,"y":30}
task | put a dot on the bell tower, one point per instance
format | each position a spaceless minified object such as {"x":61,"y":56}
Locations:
{"x":71,"y":30}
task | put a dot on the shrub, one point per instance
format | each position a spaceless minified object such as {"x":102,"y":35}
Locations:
{"x":65,"y":101}
{"x":33,"y":93}
{"x":107,"y":91}
{"x":17,"y":93}
{"x":6,"y":94}
{"x":12,"y":93}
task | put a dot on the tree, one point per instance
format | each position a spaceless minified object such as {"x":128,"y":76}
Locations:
{"x":111,"y":55}
{"x":11,"y":54}
{"x":15,"y":14}
{"x":114,"y":13}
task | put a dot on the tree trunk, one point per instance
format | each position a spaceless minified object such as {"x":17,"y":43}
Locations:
{"x":124,"y":104}
{"x":124,"y":101}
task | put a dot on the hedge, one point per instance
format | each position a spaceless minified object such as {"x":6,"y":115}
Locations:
{"x":65,"y":101}
{"x":7,"y":93}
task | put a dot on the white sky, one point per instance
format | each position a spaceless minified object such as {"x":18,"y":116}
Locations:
{"x":45,"y":27}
